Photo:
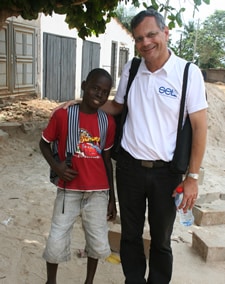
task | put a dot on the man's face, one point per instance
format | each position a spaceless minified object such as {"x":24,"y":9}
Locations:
{"x":151,"y":42}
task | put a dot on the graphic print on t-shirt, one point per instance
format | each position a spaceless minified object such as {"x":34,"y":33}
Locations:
{"x":88,"y":147}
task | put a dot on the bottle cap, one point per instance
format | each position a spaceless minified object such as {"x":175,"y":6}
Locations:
{"x":179,"y":189}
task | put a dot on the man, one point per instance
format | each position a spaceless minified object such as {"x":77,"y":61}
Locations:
{"x":149,"y":134}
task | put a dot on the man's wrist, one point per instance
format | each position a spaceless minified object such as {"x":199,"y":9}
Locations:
{"x":193,"y":175}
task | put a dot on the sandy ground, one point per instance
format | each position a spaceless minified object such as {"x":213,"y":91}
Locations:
{"x":27,"y":199}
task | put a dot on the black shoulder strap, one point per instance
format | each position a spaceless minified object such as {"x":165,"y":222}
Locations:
{"x":133,"y":71}
{"x":182,"y":103}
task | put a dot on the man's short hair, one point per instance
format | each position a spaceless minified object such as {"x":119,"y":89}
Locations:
{"x":148,"y":13}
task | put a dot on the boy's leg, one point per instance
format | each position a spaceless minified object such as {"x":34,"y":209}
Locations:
{"x":57,"y":248}
{"x":51,"y":272}
{"x":91,"y":269}
{"x":94,"y":220}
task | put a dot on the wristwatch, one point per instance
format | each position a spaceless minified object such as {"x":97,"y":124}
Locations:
{"x":192,"y":175}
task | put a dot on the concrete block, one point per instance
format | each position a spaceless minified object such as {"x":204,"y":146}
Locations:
{"x":9,"y":125}
{"x":3,"y":135}
{"x":115,"y":236}
{"x":208,"y":214}
{"x":209,"y":243}
{"x":208,"y":197}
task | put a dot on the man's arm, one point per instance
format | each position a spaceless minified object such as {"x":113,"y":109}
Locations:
{"x":112,"y":107}
{"x":199,"y":134}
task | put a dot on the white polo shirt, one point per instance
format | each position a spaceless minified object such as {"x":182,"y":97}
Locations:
{"x":153,"y":107}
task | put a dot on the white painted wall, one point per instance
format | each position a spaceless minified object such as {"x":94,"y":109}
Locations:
{"x":114,"y":32}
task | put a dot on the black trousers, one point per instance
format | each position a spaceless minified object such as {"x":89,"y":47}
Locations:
{"x":139,"y":186}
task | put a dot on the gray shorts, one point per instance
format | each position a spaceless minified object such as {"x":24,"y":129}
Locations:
{"x":92,"y":207}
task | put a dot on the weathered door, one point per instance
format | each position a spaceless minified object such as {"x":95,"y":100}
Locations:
{"x":90,"y":57}
{"x":59,"y":61}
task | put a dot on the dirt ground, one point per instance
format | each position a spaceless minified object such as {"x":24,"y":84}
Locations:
{"x":27,"y":199}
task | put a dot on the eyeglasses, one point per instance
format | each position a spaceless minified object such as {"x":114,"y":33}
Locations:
{"x":140,"y":39}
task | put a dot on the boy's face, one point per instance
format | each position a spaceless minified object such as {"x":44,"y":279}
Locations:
{"x":96,"y":91}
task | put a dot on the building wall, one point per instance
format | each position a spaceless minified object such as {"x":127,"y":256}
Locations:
{"x":114,"y":32}
{"x":215,"y":75}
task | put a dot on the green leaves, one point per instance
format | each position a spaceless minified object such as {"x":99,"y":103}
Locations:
{"x":87,"y":16}
{"x":208,"y":39}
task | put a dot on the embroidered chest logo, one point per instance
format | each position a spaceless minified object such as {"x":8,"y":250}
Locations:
{"x":168,"y":92}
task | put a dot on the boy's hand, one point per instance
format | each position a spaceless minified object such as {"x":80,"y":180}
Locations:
{"x":66,"y":173}
{"x":111,"y":215}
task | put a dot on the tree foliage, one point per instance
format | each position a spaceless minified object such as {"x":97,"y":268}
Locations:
{"x":211,"y":41}
{"x":204,"y":44}
{"x":87,"y":16}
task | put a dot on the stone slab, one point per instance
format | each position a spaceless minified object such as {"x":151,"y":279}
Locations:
{"x":211,"y":213}
{"x":115,"y":236}
{"x":3,"y":135}
{"x":7,"y":125}
{"x":210,"y":243}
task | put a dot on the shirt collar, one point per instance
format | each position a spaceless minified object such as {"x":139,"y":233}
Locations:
{"x":167,"y":67}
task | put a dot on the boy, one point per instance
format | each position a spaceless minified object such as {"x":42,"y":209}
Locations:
{"x":85,"y":185}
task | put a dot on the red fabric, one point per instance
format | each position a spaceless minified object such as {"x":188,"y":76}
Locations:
{"x":87,"y":160}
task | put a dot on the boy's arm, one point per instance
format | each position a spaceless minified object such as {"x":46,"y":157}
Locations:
{"x":112,"y":200}
{"x":63,"y":171}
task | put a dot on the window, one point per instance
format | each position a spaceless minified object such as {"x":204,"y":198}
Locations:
{"x":123,"y":57}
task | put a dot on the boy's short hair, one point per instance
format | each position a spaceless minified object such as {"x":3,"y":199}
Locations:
{"x":99,"y":72}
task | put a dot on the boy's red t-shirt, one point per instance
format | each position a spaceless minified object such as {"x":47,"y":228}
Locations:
{"x":87,"y":160}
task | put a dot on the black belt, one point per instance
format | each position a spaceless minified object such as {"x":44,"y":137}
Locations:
{"x":145,"y":163}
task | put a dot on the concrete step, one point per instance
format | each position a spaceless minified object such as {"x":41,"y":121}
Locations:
{"x":3,"y":135}
{"x":209,"y":239}
{"x":209,"y":242}
{"x":210,"y":210}
{"x":115,"y":235}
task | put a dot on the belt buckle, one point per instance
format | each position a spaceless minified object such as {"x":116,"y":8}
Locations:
{"x":147,"y":164}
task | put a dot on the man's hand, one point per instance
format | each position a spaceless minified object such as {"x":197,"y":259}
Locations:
{"x":64,"y":105}
{"x":190,"y":193}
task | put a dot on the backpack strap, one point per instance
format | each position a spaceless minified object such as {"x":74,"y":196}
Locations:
{"x":73,"y":129}
{"x":103,"y":126}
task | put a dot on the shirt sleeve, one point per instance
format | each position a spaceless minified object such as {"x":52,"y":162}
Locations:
{"x":196,"y":92}
{"x":55,"y":124}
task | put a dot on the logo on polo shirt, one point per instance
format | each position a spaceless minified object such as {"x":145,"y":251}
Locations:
{"x":168,"y":92}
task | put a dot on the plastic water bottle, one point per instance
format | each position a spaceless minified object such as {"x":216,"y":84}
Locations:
{"x":186,"y":219}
